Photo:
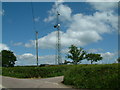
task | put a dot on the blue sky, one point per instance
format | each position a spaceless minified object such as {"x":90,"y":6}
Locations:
{"x":92,"y":26}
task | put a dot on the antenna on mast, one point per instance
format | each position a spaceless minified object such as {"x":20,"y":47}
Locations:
{"x":58,"y":58}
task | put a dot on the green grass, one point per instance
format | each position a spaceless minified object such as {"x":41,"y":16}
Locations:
{"x":93,"y":76}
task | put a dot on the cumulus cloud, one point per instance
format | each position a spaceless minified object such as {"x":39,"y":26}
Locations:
{"x":64,"y":10}
{"x":3,"y":47}
{"x":30,"y":59}
{"x":81,"y":29}
{"x":108,"y":57}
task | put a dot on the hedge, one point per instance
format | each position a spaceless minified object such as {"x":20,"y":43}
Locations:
{"x":93,"y":76}
{"x":35,"y":72}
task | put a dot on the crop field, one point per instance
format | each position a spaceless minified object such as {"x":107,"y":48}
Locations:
{"x":79,"y":76}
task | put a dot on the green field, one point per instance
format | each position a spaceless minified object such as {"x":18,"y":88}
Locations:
{"x":79,"y":76}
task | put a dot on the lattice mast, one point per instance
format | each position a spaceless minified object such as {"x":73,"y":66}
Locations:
{"x":58,"y":43}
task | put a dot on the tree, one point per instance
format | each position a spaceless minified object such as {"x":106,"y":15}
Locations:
{"x":93,"y":57}
{"x":66,"y":62}
{"x":118,"y":60}
{"x":8,"y":58}
{"x":76,"y":54}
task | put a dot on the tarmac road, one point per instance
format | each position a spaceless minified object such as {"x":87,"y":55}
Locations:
{"x":54,"y":82}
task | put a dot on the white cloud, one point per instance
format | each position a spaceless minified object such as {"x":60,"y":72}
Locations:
{"x":81,"y":29}
{"x":24,"y":59}
{"x":30,"y":59}
{"x":2,"y":12}
{"x":64,"y":10}
{"x":3,"y":47}
{"x":108,"y":57}
{"x":31,"y":44}
{"x":37,"y":19}
{"x":102,"y":6}
{"x":18,"y":44}
{"x":92,"y":50}
{"x":102,"y":0}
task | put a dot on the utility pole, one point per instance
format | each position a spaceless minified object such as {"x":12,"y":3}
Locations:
{"x":37,"y":47}
{"x":58,"y":44}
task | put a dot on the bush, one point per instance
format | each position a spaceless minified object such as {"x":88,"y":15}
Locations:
{"x":93,"y":76}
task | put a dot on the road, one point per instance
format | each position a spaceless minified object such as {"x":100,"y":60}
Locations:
{"x":54,"y":82}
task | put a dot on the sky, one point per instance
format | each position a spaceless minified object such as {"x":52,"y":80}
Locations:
{"x":90,"y":25}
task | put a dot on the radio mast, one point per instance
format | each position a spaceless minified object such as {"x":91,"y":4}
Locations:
{"x":58,"y":58}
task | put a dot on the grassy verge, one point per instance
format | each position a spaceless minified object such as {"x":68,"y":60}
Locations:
{"x":35,"y":72}
{"x":93,"y":76}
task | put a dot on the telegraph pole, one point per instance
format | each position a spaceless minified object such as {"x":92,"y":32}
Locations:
{"x":37,"y":47}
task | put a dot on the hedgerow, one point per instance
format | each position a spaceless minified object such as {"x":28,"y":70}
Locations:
{"x":93,"y":76}
{"x":35,"y":72}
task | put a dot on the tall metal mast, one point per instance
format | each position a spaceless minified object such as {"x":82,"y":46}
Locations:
{"x":37,"y":47}
{"x":58,"y":44}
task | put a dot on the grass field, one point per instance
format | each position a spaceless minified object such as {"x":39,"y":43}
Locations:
{"x":80,"y":76}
